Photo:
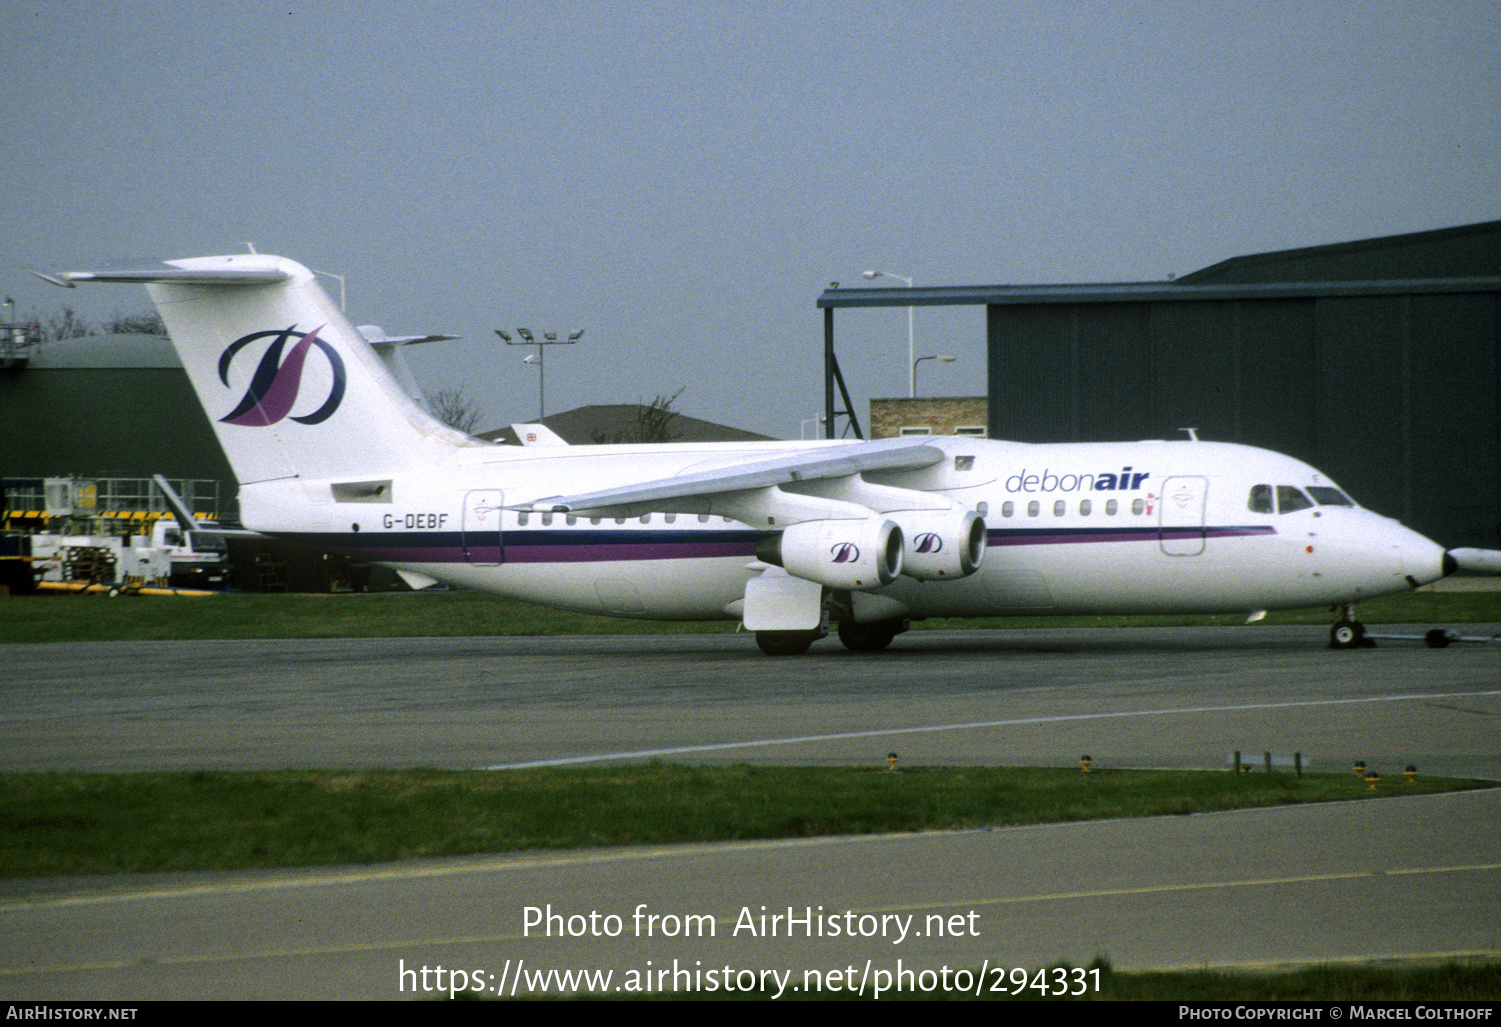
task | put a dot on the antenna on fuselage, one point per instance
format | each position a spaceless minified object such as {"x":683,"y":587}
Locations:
{"x":1193,"y":433}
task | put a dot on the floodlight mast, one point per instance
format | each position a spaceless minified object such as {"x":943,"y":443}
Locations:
{"x":549,"y":338}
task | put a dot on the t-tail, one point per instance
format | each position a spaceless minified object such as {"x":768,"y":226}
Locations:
{"x":291,"y":387}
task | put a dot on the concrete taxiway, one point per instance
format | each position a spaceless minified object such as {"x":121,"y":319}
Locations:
{"x":1405,"y":878}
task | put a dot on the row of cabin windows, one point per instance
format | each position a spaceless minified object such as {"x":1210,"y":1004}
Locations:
{"x":1264,"y":499}
{"x":1086,"y":507}
{"x":1267,"y":499}
{"x":524,"y":517}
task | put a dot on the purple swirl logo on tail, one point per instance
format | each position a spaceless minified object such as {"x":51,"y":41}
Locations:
{"x":274,"y":386}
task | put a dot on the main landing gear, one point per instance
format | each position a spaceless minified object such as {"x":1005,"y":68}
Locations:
{"x":869,"y":638}
{"x":857,"y":638}
{"x":1348,"y":633}
{"x":786,"y":643}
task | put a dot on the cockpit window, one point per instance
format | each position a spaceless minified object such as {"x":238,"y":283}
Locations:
{"x":1261,"y":500}
{"x":1266,"y":499}
{"x":1290,"y":499}
{"x":1325,"y":496}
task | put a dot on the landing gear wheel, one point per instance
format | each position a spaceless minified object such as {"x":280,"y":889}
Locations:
{"x":1438,"y":638}
{"x":1347,"y":635}
{"x":785,"y":643}
{"x":866,"y":638}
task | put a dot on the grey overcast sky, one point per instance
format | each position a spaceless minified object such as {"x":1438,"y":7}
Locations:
{"x":683,"y":179}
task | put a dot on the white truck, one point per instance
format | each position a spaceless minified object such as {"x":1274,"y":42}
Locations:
{"x":168,"y":555}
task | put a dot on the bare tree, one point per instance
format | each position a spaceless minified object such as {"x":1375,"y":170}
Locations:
{"x":66,"y":324}
{"x":147,"y":322}
{"x":653,"y":423}
{"x":455,"y":409}
{"x":654,"y":419}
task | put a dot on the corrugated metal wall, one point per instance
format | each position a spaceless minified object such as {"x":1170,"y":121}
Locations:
{"x":1395,"y":396}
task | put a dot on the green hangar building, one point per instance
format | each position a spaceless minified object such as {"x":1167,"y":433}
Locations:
{"x":1375,"y":361}
{"x":107,"y":406}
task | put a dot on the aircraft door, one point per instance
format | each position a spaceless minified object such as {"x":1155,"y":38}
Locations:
{"x":481,"y":529}
{"x":1180,"y":513}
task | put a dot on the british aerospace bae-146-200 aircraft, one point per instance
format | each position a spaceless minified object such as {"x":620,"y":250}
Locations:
{"x":319,"y":422}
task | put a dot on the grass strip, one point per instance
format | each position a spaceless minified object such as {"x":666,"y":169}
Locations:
{"x":66,"y":824}
{"x":1450,"y":981}
{"x":77,"y":618}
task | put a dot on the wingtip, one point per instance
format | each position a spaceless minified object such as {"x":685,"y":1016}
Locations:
{"x":60,"y":279}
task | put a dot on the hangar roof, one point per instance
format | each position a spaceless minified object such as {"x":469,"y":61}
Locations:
{"x":106,"y":351}
{"x":1448,"y":260}
{"x":1141,"y":292}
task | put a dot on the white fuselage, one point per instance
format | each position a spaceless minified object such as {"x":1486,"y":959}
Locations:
{"x":1151,"y":527}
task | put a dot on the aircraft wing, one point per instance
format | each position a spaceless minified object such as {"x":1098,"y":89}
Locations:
{"x":808,"y":465}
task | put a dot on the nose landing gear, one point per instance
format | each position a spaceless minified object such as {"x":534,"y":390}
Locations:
{"x":1347,"y":632}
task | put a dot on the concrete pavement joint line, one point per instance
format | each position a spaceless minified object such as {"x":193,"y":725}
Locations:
{"x":969,"y":726}
{"x":1264,"y":966}
{"x":967,"y":903}
{"x":493,"y":865}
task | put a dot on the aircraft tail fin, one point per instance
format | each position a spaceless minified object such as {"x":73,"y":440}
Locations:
{"x":291,"y":388}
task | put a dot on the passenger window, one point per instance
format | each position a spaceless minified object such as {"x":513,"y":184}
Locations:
{"x":1111,"y":506}
{"x":523,"y":517}
{"x":669,"y":518}
{"x":547,"y":519}
{"x":1008,"y":508}
{"x":1060,"y":508}
{"x":572,"y":518}
{"x":1290,"y":499}
{"x":1329,"y":497}
{"x":1261,"y":500}
{"x":1033,"y":508}
{"x":1138,"y":506}
{"x":1084,"y":508}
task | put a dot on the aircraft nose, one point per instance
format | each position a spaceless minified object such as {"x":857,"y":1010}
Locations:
{"x":1424,"y":561}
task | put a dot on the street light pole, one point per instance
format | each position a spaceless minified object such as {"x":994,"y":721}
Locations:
{"x":911,"y":353}
{"x":945,"y":358}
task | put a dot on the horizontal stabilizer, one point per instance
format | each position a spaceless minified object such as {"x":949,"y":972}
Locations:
{"x":290,"y":386}
{"x":171,"y":275}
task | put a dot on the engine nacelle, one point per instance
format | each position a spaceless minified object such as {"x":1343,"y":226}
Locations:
{"x":941,"y":544}
{"x":853,"y":554}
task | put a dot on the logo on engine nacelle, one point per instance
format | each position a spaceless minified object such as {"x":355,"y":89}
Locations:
{"x":845,"y":552}
{"x":927,"y":542}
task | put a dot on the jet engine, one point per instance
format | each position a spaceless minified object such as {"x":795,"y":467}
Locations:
{"x":941,"y":544}
{"x":852,"y":554}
